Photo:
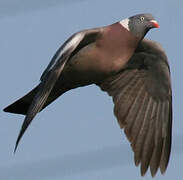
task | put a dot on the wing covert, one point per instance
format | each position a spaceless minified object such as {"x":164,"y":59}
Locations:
{"x":53,"y":71}
{"x":142,"y":99}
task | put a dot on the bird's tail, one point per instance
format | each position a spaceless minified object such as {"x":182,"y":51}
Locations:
{"x":21,"y":106}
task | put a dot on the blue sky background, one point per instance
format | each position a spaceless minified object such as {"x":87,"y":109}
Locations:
{"x":85,"y":143}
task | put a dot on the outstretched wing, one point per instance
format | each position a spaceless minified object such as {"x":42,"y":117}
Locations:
{"x":143,"y":105}
{"x":53,"y":71}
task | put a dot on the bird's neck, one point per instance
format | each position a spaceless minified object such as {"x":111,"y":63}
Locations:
{"x":116,"y":37}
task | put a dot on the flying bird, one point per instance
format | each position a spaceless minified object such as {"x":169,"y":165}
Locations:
{"x":131,"y":69}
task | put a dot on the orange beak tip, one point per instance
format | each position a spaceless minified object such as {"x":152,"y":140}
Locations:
{"x":155,"y":23}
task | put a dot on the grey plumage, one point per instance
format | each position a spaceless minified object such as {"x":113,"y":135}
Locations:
{"x":144,"y":109}
{"x":133,"y":71}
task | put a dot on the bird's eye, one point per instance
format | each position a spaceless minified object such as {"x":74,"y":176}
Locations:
{"x":142,"y":18}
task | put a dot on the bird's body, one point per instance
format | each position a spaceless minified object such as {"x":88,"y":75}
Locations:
{"x":95,"y":62}
{"x":89,"y":65}
{"x":133,"y":71}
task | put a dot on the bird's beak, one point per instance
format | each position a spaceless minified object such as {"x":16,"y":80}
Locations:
{"x":154,"y":24}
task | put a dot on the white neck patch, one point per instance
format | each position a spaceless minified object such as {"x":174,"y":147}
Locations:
{"x":125,"y":23}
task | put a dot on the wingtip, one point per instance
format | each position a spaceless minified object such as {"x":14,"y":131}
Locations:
{"x":136,"y":160}
{"x":143,"y":170}
{"x":153,"y":171}
{"x":16,"y":145}
{"x":163,"y":169}
{"x":143,"y":174}
{"x":19,"y":137}
{"x":153,"y":175}
{"x":15,"y":149}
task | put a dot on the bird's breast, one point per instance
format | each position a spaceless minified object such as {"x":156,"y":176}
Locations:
{"x":94,"y":63}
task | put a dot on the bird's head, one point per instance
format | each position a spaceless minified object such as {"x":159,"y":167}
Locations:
{"x":139,"y":24}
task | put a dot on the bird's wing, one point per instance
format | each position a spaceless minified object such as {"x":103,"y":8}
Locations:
{"x":53,"y":71}
{"x":143,"y":105}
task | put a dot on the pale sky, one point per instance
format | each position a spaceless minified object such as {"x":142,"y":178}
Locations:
{"x":86,"y":142}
